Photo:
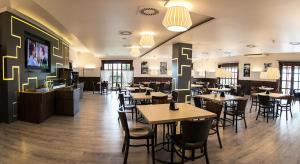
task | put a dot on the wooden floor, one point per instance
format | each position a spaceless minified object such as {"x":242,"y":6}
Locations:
{"x":94,"y":136}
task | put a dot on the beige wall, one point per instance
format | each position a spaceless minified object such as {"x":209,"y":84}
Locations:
{"x":154,"y":67}
{"x":256,"y":64}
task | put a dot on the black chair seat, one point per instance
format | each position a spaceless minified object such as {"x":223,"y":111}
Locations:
{"x":141,"y":133}
{"x":177,"y":139}
{"x":234,"y":112}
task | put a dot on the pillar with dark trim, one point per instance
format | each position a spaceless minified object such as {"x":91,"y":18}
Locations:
{"x":181,"y":66}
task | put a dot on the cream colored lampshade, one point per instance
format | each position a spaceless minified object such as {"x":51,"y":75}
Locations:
{"x":147,"y":40}
{"x":263,"y":75}
{"x":135,"y":51}
{"x":220,"y":72}
{"x":273,"y":73}
{"x":177,"y":19}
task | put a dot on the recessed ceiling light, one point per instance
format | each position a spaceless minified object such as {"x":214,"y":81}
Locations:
{"x":227,"y":52}
{"x":294,"y":43}
{"x":125,"y":32}
{"x":250,"y":45}
{"x":149,"y":11}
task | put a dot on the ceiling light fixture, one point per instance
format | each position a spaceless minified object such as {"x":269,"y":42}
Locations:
{"x":135,"y":51}
{"x":125,"y":32}
{"x":250,"y":45}
{"x":149,"y":11}
{"x":295,"y":43}
{"x":177,"y":18}
{"x":147,"y":39}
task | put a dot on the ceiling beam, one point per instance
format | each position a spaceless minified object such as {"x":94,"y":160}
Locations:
{"x":161,"y":43}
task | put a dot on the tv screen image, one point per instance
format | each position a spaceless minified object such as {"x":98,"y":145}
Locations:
{"x":37,"y":54}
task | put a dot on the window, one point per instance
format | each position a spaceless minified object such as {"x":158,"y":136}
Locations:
{"x":290,"y":76}
{"x":233,"y":68}
{"x":116,"y":67}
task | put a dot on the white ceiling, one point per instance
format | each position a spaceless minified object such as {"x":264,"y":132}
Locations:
{"x":268,"y":24}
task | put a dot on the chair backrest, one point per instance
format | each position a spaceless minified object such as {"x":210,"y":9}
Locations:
{"x":195,"y":131}
{"x":159,"y":99}
{"x":123,"y":120}
{"x":214,"y":108}
{"x":241,"y":105}
{"x":121,"y":99}
{"x":263,"y":100}
{"x":142,"y":90}
{"x":198,"y":102}
{"x":174,"y":96}
{"x":161,"y":87}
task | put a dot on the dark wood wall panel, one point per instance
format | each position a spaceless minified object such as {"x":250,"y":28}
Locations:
{"x":88,"y":83}
{"x":246,"y":84}
{"x":150,"y":79}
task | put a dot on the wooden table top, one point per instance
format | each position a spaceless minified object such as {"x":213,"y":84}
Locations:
{"x":143,"y":96}
{"x":219,"y":89}
{"x":136,"y":88}
{"x":266,"y":88}
{"x":272,"y":95}
{"x":218,"y":98}
{"x":160,"y":113}
{"x":196,"y":85}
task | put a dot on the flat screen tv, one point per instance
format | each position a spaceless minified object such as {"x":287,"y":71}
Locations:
{"x":37,"y":53}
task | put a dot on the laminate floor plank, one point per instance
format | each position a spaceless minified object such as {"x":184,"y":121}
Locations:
{"x":95,"y":136}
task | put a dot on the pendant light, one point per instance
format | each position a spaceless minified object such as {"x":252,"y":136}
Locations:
{"x":147,"y":39}
{"x":177,"y":18}
{"x":135,"y":51}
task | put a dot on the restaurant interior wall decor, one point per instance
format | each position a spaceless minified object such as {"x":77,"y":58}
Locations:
{"x":15,"y":76}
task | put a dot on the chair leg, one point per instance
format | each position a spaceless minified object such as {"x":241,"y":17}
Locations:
{"x":267,"y":114}
{"x":205,"y":153}
{"x":183,"y":154}
{"x":219,"y":138}
{"x":155,"y":135}
{"x":258,"y":113}
{"x":124,"y":145}
{"x":224,"y":120}
{"x":236,"y":122}
{"x":148,"y":145}
{"x":244,"y":116}
{"x":172,"y":152}
{"x":193,"y":154}
{"x":126,"y":151}
{"x":291,"y":111}
{"x":153,"y":150}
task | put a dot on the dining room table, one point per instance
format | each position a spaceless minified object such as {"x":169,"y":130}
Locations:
{"x":161,"y":113}
{"x":219,"y":89}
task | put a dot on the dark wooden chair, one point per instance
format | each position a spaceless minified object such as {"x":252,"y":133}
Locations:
{"x":159,"y":99}
{"x":198,"y":102}
{"x":237,"y":113}
{"x":143,"y":133}
{"x":266,"y":105}
{"x":217,"y":109}
{"x":129,"y":107}
{"x":287,"y":106}
{"x":194,"y":136}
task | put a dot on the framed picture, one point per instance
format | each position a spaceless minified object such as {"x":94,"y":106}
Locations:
{"x":163,"y":68}
{"x":247,"y":70}
{"x":266,"y":66}
{"x":144,"y":67}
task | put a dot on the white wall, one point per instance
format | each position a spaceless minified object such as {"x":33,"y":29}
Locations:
{"x":154,"y":67}
{"x":256,"y":64}
{"x":85,"y":63}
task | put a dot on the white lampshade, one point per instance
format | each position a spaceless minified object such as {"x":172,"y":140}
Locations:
{"x":271,"y":74}
{"x":177,"y":19}
{"x":147,"y":40}
{"x":220,"y":72}
{"x":263,"y":75}
{"x":135,"y":51}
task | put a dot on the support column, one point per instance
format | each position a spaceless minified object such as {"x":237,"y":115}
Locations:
{"x":181,"y":66}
